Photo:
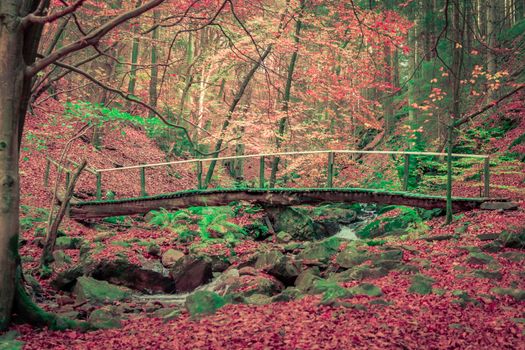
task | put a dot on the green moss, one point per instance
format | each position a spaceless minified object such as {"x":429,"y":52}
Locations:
{"x":367,"y":289}
{"x":204,"y":303}
{"x":88,"y":288}
{"x":421,"y":284}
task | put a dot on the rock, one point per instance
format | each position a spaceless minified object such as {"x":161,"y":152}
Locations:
{"x":61,"y":259}
{"x":104,"y":318}
{"x":268,"y":260}
{"x":258,"y":299}
{"x":339,"y":213}
{"x":284,"y":237}
{"x":204,"y":303}
{"x":513,"y":256}
{"x":248,"y":270}
{"x":392,"y":254}
{"x":493,"y":275}
{"x":154,"y":249}
{"x":360,"y":273}
{"x":279,"y":266}
{"x":170,"y":257}
{"x":102,"y":236}
{"x":219,"y":263}
{"x":438,"y":238}
{"x":98,"y":292}
{"x":499,"y":206}
{"x":492,"y":247}
{"x":66,"y":280}
{"x":518,"y":294}
{"x":351,"y":257}
{"x":123,"y":273}
{"x":294,"y":221}
{"x":292,"y":247}
{"x":421,"y":284}
{"x":321,"y":251}
{"x":191,"y":272}
{"x":488,"y":236}
{"x":229,"y":281}
{"x":306,"y":280}
{"x":68,"y":243}
{"x":168,"y":313}
{"x":513,"y":240}
{"x":289,"y":294}
{"x":331,"y":291}
{"x":368,"y":289}
{"x":479,"y":259}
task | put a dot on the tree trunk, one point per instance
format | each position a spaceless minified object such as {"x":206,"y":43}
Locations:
{"x":154,"y":66}
{"x":134,"y":60}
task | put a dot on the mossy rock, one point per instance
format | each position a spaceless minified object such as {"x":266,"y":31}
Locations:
{"x":8,"y":341}
{"x":360,"y":273}
{"x":322,"y":250}
{"x":421,"y":284}
{"x":61,"y":259}
{"x":104,"y":318}
{"x":479,"y":259}
{"x":307,"y":279}
{"x":513,"y":240}
{"x":204,"y":303}
{"x":388,"y":225}
{"x":68,"y":243}
{"x":331,"y":291}
{"x":513,"y":256}
{"x":351,"y":257}
{"x":95,"y":291}
{"x":296,"y":222}
{"x":258,"y":299}
{"x":167,"y":314}
{"x":492,"y":247}
{"x":368,"y":289}
{"x":289,"y":294}
{"x":284,"y":237}
{"x":518,"y":294}
{"x":493,"y":275}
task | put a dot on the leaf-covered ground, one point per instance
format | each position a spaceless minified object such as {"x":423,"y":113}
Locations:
{"x":471,"y":306}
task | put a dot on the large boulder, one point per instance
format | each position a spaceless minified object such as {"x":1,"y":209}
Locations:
{"x":104,"y":318}
{"x":306,"y":281}
{"x":98,"y":292}
{"x":247,"y":283}
{"x":204,"y":303}
{"x":123,"y":273}
{"x":513,"y":240}
{"x":170,"y":257}
{"x":321,"y":251}
{"x":191,"y":272}
{"x":294,"y":221}
{"x":278,"y":265}
{"x":351,"y":257}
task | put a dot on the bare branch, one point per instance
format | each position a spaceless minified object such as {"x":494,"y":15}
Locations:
{"x":91,"y":39}
{"x":36,"y":18}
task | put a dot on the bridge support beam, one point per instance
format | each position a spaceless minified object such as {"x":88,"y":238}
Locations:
{"x":263,"y":197}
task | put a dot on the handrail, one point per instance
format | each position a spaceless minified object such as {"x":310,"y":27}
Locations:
{"x":198,"y":160}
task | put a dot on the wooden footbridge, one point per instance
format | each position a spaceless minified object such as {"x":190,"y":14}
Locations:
{"x":264,"y":195}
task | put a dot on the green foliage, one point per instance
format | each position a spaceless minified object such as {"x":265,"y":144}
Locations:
{"x":211,"y":221}
{"x":33,"y":216}
{"x":154,"y":127}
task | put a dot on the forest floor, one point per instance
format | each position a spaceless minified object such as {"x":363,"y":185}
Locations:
{"x":464,"y":289}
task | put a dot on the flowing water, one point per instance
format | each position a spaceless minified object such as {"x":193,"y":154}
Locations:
{"x":348,"y":232}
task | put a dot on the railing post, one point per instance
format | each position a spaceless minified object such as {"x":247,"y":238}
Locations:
{"x":199,"y":175}
{"x":68,"y":178}
{"x":46,"y":173}
{"x":143,"y":182}
{"x":330,"y":171}
{"x":486,"y":177}
{"x":406,"y":172}
{"x":99,"y":185}
{"x":261,"y":172}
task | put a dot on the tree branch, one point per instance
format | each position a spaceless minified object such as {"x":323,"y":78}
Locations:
{"x":35,"y":18}
{"x":91,"y":39}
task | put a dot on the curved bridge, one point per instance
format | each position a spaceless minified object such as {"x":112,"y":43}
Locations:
{"x":263,"y":197}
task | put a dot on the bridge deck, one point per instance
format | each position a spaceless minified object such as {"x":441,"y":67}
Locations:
{"x":264,"y":197}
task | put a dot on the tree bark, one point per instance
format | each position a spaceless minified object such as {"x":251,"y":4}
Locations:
{"x":154,"y":67}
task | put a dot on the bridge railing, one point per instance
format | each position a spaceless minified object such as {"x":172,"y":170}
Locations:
{"x":330,"y":161}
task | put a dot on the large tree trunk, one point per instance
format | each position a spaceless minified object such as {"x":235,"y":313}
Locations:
{"x":12,"y":86}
